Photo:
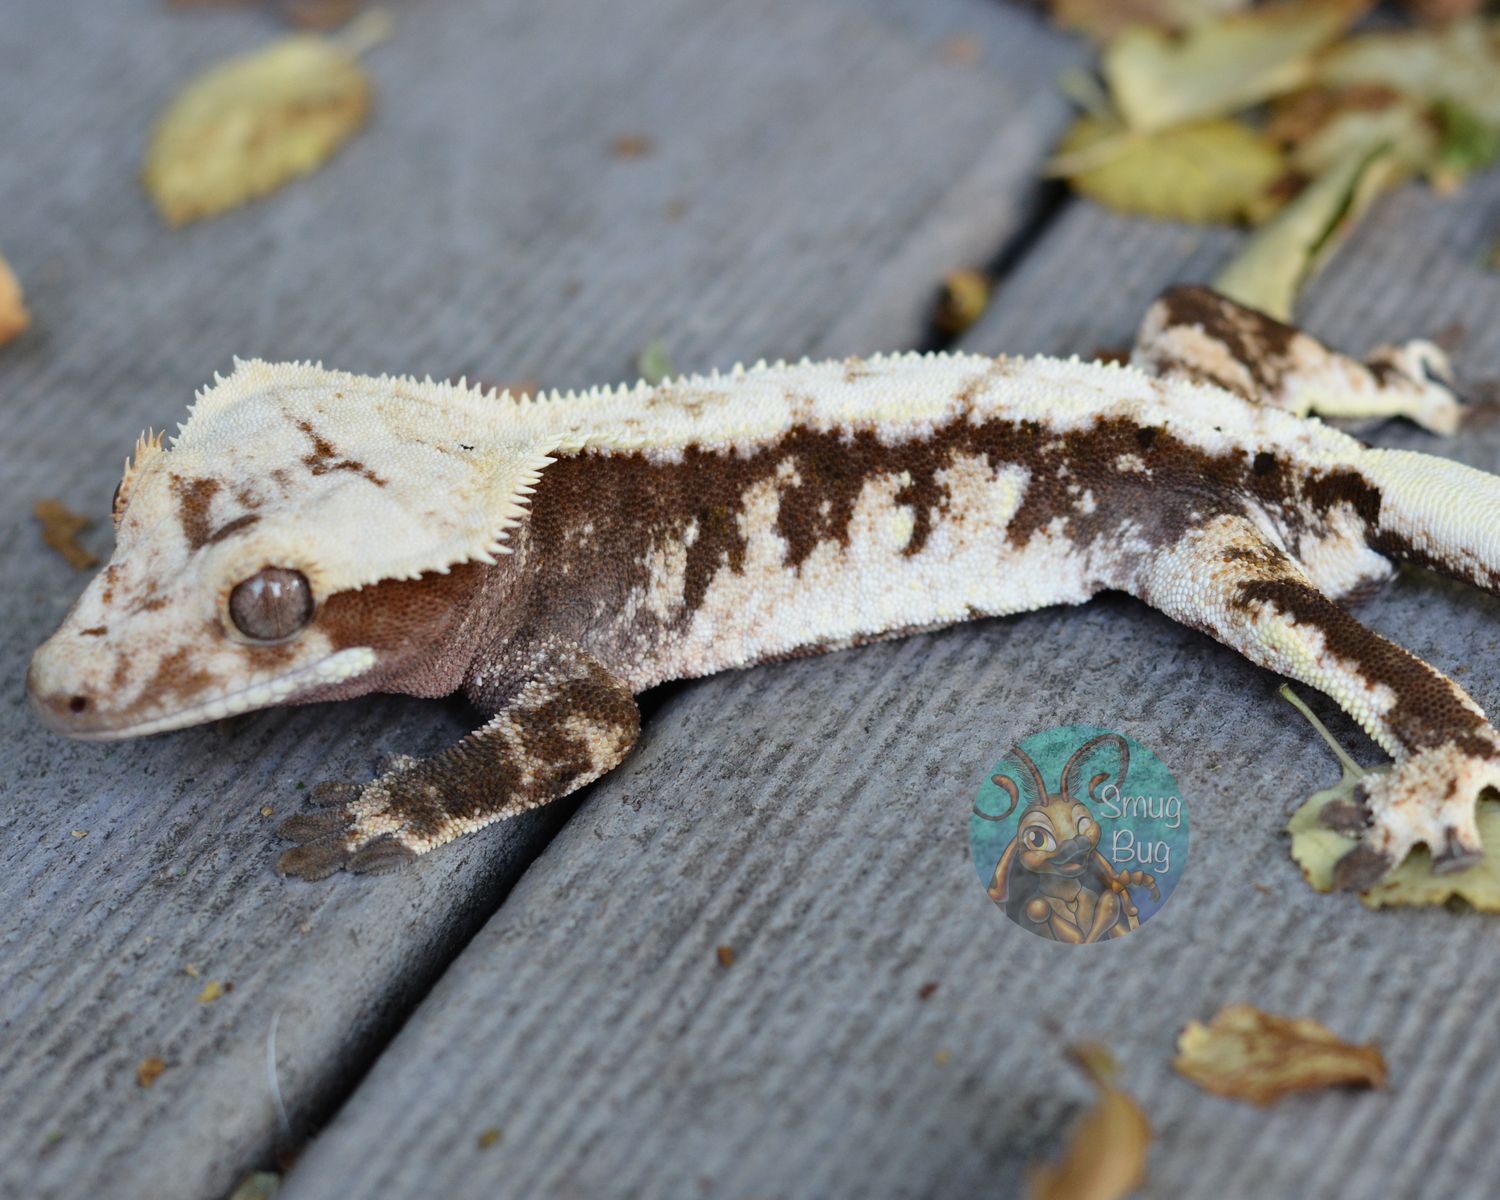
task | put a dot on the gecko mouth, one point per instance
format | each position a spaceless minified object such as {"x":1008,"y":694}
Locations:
{"x":63,"y":714}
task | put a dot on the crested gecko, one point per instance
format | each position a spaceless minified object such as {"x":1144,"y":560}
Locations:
{"x":311,"y":535}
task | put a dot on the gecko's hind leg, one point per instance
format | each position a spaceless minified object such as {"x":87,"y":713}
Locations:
{"x":565,"y":726}
{"x":1192,"y":332}
{"x":1229,"y":577}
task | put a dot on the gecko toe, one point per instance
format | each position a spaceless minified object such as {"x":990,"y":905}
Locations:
{"x":314,"y":826}
{"x":334,"y":792}
{"x":1344,"y":816}
{"x":1361,"y":868}
{"x":316,"y":861}
{"x":1455,"y":856}
{"x":382,"y":855}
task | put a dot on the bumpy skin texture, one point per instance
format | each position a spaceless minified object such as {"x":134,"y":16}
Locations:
{"x":552,"y":558}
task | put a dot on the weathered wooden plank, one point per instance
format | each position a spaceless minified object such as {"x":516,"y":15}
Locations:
{"x":813,"y":816}
{"x":481,"y":225}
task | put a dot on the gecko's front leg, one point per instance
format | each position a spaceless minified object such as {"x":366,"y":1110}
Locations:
{"x":568,"y":722}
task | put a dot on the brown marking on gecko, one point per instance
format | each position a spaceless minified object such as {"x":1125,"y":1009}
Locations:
{"x":1259,"y":343}
{"x":234,"y":526}
{"x":323,"y":458}
{"x":94,"y":631}
{"x":1428,"y":711}
{"x":403,"y":620}
{"x":177,"y":677}
{"x":653,"y":502}
{"x":194,"y":499}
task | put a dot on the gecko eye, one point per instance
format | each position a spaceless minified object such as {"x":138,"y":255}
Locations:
{"x":272,"y":604}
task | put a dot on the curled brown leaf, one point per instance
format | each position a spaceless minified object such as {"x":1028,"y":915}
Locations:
{"x":1247,"y":1054}
{"x":60,"y":529}
{"x":1105,"y":1158}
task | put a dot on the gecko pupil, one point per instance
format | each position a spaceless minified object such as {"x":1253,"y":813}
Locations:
{"x":272,"y":604}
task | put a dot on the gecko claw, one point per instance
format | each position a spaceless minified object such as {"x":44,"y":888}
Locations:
{"x":1360,"y":869}
{"x":1455,"y":856}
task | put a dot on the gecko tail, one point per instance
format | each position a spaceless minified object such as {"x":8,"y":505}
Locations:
{"x":1437,"y":513}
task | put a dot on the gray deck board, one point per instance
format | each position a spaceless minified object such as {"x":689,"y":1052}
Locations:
{"x":480,"y":226}
{"x":813,"y":816}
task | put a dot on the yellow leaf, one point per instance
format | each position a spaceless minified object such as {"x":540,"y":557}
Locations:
{"x":1221,"y":66}
{"x":964,"y":297}
{"x":13,"y":315}
{"x":247,"y":126}
{"x":1106,"y":1157}
{"x":1247,"y":1054}
{"x":1209,"y":171}
{"x":1458,"y":62}
{"x":1289,"y":249}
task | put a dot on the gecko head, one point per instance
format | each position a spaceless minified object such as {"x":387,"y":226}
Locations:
{"x":193,"y":619}
{"x":303,"y":537}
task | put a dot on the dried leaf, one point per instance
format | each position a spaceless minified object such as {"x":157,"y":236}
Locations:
{"x":249,"y":125}
{"x":1105,"y":1158}
{"x":1221,"y":66}
{"x":1247,"y":1054}
{"x":60,"y":529}
{"x":489,"y":1137}
{"x":1290,"y":248}
{"x":1317,"y":845}
{"x":1208,"y":171}
{"x":149,"y":1070}
{"x":631,"y":145}
{"x":964,"y":297}
{"x":655,"y":364}
{"x":1459,"y":62}
{"x":212,"y":990}
{"x":725,"y":955}
{"x":13,"y":315}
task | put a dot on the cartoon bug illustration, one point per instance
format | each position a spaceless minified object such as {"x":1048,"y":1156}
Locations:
{"x":1051,"y":877}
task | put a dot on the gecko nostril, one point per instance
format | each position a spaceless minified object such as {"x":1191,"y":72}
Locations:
{"x":78,"y":703}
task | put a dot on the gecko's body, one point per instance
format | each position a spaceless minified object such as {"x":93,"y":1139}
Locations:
{"x":312,"y":535}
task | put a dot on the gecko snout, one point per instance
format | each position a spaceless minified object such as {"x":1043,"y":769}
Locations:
{"x":61,"y":684}
{"x":61,"y":709}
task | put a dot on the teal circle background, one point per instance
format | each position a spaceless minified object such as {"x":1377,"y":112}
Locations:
{"x":1146,"y":775}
